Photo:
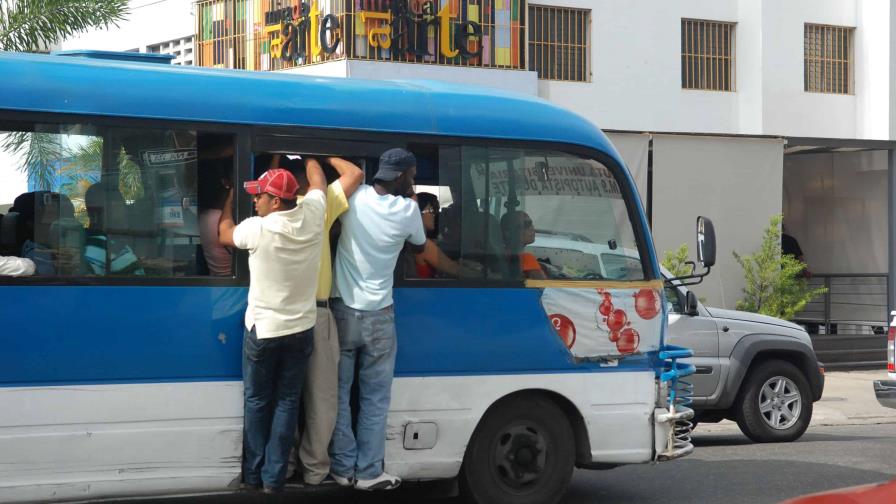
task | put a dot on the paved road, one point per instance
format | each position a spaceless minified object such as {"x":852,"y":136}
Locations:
{"x":726,"y":468}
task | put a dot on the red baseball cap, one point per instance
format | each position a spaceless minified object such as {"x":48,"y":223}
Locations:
{"x":277,"y":182}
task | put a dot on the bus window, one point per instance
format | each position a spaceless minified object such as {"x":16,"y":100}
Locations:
{"x":92,"y":200}
{"x":544,"y":215}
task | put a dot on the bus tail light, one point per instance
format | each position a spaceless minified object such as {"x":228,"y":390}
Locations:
{"x":891,"y":350}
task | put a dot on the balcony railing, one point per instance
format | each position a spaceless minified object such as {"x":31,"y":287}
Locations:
{"x":849,"y":323}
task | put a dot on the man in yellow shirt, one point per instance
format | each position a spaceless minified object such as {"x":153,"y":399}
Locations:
{"x":321,"y":383}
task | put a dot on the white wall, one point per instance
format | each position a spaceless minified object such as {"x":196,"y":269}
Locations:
{"x":636,"y":80}
{"x":787,"y":109}
{"x":873,"y":82}
{"x":736,"y":182}
{"x":148,"y":22}
{"x":636,"y":69}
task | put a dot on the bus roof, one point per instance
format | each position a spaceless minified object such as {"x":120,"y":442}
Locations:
{"x":79,"y":85}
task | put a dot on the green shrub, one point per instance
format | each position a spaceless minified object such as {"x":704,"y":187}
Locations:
{"x":775,"y":284}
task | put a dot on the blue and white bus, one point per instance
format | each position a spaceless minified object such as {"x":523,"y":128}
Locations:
{"x":120,"y":357}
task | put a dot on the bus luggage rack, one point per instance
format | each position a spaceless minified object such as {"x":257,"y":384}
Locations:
{"x":680,"y":414}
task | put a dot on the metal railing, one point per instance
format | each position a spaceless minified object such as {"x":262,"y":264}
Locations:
{"x":853,"y":304}
{"x":848,"y":324}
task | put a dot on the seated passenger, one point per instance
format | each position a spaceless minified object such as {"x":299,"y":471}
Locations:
{"x":518,"y":231}
{"x":44,"y":213}
{"x":432,"y":258}
{"x":105,"y":255}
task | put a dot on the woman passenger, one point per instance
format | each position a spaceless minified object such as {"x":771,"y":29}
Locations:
{"x":519,"y":231}
{"x":432,"y":259}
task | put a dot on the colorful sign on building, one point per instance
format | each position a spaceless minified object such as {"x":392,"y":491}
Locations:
{"x":276,"y":34}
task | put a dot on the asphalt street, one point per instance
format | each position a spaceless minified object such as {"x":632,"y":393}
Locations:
{"x":725,"y":468}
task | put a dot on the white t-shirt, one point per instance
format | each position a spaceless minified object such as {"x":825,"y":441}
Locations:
{"x":374,"y":229}
{"x":284,"y":255}
{"x":16,"y":266}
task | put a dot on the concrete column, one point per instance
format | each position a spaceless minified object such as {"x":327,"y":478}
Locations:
{"x":891,"y":228}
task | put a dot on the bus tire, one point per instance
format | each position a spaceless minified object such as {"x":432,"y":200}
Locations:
{"x":523,"y":451}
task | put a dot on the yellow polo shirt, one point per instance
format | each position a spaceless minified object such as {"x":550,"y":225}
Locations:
{"x":337,"y":204}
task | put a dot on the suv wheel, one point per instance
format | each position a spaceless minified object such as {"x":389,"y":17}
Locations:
{"x":774,"y":404}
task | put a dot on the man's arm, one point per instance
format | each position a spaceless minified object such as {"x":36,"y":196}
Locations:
{"x":417,"y":234}
{"x":315,"y":174}
{"x":226,"y":224}
{"x":16,"y":266}
{"x":350,"y":176}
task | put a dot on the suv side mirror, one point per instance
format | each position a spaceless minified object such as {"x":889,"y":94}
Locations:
{"x":690,"y":305}
{"x":706,"y":242}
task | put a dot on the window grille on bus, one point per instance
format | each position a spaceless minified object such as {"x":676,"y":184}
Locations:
{"x":559,"y":47}
{"x":707,"y":55}
{"x":828,"y":59}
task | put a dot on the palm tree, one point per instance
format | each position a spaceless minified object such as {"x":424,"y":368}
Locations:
{"x":34,"y":26}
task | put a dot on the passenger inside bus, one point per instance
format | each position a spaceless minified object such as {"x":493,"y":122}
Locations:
{"x":214,"y":181}
{"x":432,"y":260}
{"x":49,"y":235}
{"x":103,"y":253}
{"x":518,"y":230}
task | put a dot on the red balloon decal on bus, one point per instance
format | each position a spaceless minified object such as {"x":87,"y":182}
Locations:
{"x":647,"y":303}
{"x":565,"y":328}
{"x":628,"y":341}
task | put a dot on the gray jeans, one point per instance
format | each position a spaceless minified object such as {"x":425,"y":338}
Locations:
{"x":367,"y":337}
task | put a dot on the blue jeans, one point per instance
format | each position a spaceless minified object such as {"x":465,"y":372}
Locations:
{"x":273,"y":375}
{"x":369,"y":338}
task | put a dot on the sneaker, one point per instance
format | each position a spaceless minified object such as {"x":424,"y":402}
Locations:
{"x":384,"y":481}
{"x":342,"y":481}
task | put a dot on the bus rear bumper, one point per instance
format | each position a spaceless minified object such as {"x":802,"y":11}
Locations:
{"x":672,"y":429}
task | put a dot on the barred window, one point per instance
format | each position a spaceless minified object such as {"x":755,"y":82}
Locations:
{"x":558,"y":43}
{"x":828,"y":59}
{"x":707,"y":55}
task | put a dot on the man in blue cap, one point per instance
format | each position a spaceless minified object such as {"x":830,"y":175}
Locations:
{"x":379,"y":221}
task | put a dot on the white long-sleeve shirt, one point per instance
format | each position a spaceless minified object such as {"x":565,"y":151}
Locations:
{"x":16,"y":266}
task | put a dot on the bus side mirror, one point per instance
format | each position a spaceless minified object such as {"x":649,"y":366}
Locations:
{"x":706,"y":242}
{"x":706,"y":254}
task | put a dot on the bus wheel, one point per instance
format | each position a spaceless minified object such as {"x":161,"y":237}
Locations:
{"x":523,"y":451}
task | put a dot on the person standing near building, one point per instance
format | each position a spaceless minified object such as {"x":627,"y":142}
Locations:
{"x":379,"y":220}
{"x":284,"y":244}
{"x":322,"y":380}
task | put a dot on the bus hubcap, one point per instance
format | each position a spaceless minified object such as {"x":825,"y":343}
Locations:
{"x":520,"y":455}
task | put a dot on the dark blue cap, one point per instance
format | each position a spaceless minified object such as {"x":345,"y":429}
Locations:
{"x":393,"y":163}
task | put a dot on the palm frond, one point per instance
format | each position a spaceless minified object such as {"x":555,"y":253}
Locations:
{"x":41,"y":154}
{"x":34,"y":25}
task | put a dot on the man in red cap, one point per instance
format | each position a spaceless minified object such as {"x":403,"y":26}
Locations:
{"x":284,"y":244}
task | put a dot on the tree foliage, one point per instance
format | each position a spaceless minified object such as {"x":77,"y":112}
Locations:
{"x":676,"y":261}
{"x":34,"y":25}
{"x":775,"y":284}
